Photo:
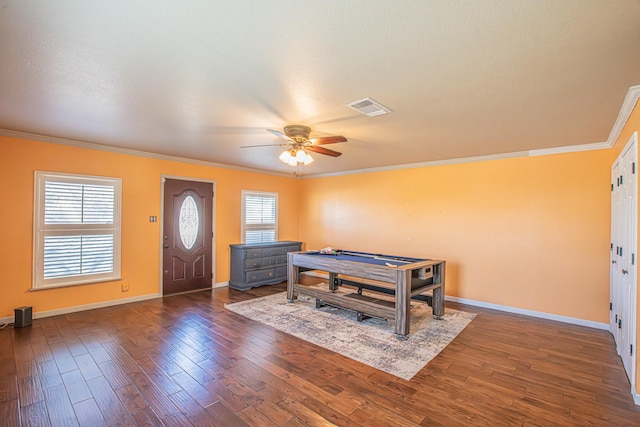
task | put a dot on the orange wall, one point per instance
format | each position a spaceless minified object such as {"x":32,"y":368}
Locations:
{"x":531,"y":233}
{"x":141,"y":186}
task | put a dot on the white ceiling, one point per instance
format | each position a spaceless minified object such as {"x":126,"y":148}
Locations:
{"x":199,"y":79}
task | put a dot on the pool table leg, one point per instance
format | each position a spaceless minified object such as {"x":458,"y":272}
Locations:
{"x":293,"y":272}
{"x":403,"y":300}
{"x":332,"y":282}
{"x":437,"y":303}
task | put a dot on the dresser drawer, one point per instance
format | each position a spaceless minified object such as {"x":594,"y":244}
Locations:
{"x":273,"y":251}
{"x":253,"y":253}
{"x":250,"y":263}
{"x":282,"y":250}
{"x":260,"y":275}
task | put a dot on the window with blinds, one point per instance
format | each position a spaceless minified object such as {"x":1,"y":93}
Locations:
{"x":259,"y":217}
{"x":77,"y":221}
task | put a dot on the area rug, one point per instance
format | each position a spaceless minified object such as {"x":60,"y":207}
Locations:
{"x":372,"y":341}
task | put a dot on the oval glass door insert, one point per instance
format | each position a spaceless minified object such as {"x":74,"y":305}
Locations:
{"x":189,"y":222}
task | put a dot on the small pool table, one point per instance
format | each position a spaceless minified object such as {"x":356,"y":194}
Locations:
{"x":403,"y":277}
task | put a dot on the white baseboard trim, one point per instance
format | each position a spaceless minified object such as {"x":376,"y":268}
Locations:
{"x":508,"y":309}
{"x":76,"y":308}
{"x":635,"y":395}
{"x":532,"y":313}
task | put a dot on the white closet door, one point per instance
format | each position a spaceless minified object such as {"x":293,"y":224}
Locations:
{"x":624,"y":231}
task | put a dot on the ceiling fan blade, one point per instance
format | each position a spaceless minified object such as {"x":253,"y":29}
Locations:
{"x":279,"y":134}
{"x":264,"y":145}
{"x":321,"y":150}
{"x":328,"y":140}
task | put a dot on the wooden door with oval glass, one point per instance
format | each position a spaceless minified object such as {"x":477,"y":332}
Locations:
{"x":188,"y":239}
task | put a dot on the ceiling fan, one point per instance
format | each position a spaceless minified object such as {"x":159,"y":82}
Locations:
{"x":298,"y":144}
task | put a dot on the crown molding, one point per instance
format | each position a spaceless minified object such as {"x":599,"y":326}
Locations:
{"x":131,"y":152}
{"x":570,"y":149}
{"x":420,"y":165}
{"x":515,"y":154}
{"x":629,"y":103}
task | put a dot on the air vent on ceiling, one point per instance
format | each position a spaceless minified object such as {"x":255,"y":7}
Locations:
{"x":369,"y":107}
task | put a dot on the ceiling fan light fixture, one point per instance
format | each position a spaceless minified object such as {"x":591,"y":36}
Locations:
{"x":308,"y":159}
{"x":301,"y":156}
{"x":285,"y":156}
{"x":293,"y":158}
{"x":299,"y":144}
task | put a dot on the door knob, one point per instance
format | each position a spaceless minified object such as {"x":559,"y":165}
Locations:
{"x":625,"y":272}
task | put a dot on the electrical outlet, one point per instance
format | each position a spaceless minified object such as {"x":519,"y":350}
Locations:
{"x":125,"y":287}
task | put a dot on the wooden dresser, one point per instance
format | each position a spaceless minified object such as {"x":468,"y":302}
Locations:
{"x":260,"y":264}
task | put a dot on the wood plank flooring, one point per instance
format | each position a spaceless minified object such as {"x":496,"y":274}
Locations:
{"x":185,"y":360}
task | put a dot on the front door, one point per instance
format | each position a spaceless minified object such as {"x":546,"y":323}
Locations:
{"x":188,"y":238}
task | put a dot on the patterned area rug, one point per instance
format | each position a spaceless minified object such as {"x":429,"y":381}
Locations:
{"x":372,"y":341}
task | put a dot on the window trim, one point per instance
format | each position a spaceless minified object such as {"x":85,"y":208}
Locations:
{"x":244,"y":227}
{"x":41,"y":230}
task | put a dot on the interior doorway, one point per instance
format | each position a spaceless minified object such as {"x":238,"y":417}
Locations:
{"x":624,"y":232}
{"x":187,"y":239}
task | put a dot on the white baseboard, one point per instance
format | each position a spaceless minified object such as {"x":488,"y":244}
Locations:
{"x":76,"y":308}
{"x":67,"y":310}
{"x":508,"y":309}
{"x":635,"y":395}
{"x":532,"y":313}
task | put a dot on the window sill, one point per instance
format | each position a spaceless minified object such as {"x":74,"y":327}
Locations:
{"x":68,"y":285}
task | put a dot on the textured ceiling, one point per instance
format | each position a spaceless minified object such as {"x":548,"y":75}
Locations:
{"x":201,"y":79}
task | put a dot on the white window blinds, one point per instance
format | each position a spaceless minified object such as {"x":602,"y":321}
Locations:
{"x":77,"y":220}
{"x":259,"y":217}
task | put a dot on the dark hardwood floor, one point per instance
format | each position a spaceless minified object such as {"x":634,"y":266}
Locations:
{"x":185,"y":360}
